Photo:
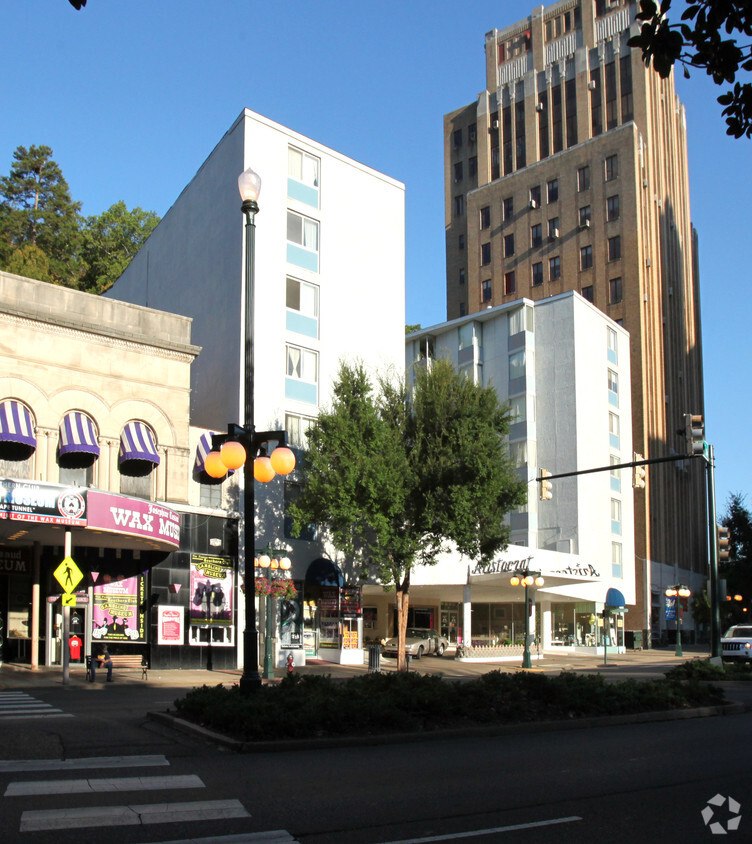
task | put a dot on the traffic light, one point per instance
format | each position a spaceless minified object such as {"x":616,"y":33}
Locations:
{"x":723,"y":543}
{"x":546,"y":487}
{"x":638,"y":476}
{"x":694,"y":431}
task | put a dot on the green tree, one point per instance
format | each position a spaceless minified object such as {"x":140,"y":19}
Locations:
{"x":738,"y":569}
{"x":36,"y":208}
{"x":29,"y":260}
{"x":110,"y":240}
{"x":396,"y":475}
{"x":697,"y":42}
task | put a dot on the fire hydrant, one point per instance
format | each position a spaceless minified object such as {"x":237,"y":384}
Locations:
{"x":290,"y":663}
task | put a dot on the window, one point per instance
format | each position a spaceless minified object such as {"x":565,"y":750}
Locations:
{"x":486,"y":291}
{"x":583,"y":178}
{"x":616,"y":516}
{"x":553,"y":228}
{"x":463,"y":309}
{"x":613,"y":430}
{"x":553,"y":190}
{"x":472,"y":166}
{"x":297,"y":428}
{"x":521,"y":319}
{"x":457,"y":138}
{"x":466,"y":335}
{"x":302,"y":241}
{"x":614,"y":291}
{"x":614,"y":248}
{"x":536,"y":235}
{"x":613,"y":346}
{"x":459,"y":205}
{"x":586,"y":258}
{"x":554,"y":268}
{"x":508,"y":208}
{"x":302,"y":374}
{"x":210,"y":495}
{"x":584,"y":216}
{"x":509,"y":284}
{"x":508,"y":245}
{"x":302,"y":307}
{"x":462,"y":275}
{"x":472,"y":133}
{"x":458,"y":172}
{"x":596,"y":117}
{"x":587,"y":292}
{"x":614,"y":460}
{"x":616,"y":564}
{"x":518,"y":409}
{"x":612,"y":117}
{"x":612,"y":167}
{"x":518,"y":453}
{"x":612,"y":208}
{"x":461,"y":241}
{"x":303,"y":176}
{"x":613,"y":388}
{"x":627,"y":105}
{"x":516,"y":365}
{"x":485,"y":217}
{"x":535,"y":197}
{"x":485,"y":254}
{"x":537,"y":273}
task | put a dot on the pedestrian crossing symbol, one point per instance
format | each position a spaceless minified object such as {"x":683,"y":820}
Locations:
{"x":68,"y":575}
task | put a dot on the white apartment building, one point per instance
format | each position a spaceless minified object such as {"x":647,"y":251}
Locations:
{"x":564,"y":368}
{"x":329,"y":285}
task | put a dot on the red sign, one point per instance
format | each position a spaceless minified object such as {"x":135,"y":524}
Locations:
{"x":119,"y":514}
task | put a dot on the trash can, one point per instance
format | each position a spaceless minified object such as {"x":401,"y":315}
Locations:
{"x":374,"y":658}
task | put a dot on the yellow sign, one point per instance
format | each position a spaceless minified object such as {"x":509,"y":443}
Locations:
{"x":69,"y":600}
{"x":68,"y":575}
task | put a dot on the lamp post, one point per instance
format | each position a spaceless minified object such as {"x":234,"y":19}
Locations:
{"x":273,"y":562}
{"x":230,"y":451}
{"x":527,"y":579}
{"x":677,"y":592}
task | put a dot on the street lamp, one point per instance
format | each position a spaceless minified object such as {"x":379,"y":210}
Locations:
{"x":231,"y":451}
{"x":677,"y":592}
{"x":272,"y":561}
{"x":527,"y":579}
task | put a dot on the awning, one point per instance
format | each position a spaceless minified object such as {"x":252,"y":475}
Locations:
{"x":202,"y":449}
{"x":77,"y":435}
{"x":16,"y":425}
{"x":137,"y":443}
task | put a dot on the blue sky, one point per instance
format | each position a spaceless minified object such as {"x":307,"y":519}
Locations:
{"x":132,"y":95}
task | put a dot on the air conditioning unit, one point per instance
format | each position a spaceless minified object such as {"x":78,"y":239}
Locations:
{"x":533,"y":203}
{"x":539,"y":106}
{"x":591,"y":85}
{"x":555,"y":234}
{"x":495,"y":124}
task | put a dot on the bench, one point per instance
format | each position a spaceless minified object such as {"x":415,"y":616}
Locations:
{"x":123,"y":662}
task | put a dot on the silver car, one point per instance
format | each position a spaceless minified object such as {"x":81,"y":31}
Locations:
{"x":736,"y":644}
{"x":418,"y":641}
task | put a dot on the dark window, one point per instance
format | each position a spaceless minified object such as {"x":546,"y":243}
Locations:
{"x":536,"y":235}
{"x":463,"y":309}
{"x":509,"y":284}
{"x":457,"y":138}
{"x":459,"y":205}
{"x":586,"y":257}
{"x":543,"y":150}
{"x":486,"y":290}
{"x":485,"y":254}
{"x":612,"y":117}
{"x":472,"y":133}
{"x":554,"y":268}
{"x":627,"y":106}
{"x":519,"y":121}
{"x":508,"y":245}
{"x":461,"y":241}
{"x":537,"y":274}
{"x":553,"y":190}
{"x":506,"y":125}
{"x":587,"y":292}
{"x":571,"y":94}
{"x":612,"y":208}
{"x":472,"y":166}
{"x":595,"y":103}
{"x":583,"y":178}
{"x":485,"y":217}
{"x":458,"y":172}
{"x":614,"y":248}
{"x":584,"y":215}
{"x":553,"y":228}
{"x":614,"y":291}
{"x":556,"y":118}
{"x":612,"y":167}
{"x":462,"y":275}
{"x":494,"y":135}
{"x":508,"y":207}
{"x":535,"y":196}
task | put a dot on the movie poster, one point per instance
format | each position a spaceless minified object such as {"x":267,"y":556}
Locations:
{"x":117,"y":614}
{"x":212,"y":587}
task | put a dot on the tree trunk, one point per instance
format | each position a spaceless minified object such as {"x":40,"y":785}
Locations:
{"x":403,"y":602}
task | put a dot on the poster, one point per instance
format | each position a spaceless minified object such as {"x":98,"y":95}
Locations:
{"x":170,"y":625}
{"x":117,"y":615}
{"x":212,"y":590}
{"x":291,"y":620}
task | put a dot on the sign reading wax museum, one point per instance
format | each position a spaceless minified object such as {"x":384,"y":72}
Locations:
{"x":118,"y":610}
{"x":55,"y":504}
{"x":120,"y":514}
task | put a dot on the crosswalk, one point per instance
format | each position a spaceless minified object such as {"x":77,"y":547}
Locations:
{"x":120,"y":809}
{"x":22,"y":705}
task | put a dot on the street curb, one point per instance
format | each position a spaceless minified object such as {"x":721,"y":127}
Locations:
{"x":283,"y":745}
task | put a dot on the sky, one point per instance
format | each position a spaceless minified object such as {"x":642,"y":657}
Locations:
{"x":132,"y":96}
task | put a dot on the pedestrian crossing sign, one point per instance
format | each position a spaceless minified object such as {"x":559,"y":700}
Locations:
{"x":68,"y":575}
{"x":69,"y":600}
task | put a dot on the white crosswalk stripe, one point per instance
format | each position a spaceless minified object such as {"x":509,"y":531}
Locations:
{"x":17,"y":705}
{"x":131,"y":813}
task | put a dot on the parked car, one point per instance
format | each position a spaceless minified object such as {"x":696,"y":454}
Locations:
{"x":418,"y":641}
{"x":736,"y":643}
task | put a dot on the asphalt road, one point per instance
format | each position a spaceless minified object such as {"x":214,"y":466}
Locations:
{"x":76,"y":775}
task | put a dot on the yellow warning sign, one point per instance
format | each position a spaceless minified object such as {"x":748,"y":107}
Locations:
{"x":69,"y":600}
{"x":68,"y":575}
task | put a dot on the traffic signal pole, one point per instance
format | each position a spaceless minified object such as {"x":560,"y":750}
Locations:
{"x":715,"y":601}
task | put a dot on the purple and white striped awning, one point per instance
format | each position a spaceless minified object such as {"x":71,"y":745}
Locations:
{"x":137,"y":443}
{"x":77,"y":435}
{"x":16,"y":425}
